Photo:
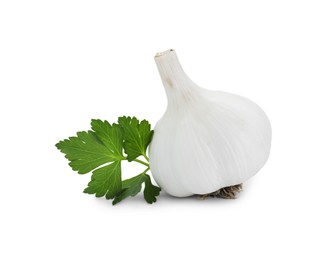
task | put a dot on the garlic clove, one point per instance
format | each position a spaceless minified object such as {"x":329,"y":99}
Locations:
{"x":206,"y":140}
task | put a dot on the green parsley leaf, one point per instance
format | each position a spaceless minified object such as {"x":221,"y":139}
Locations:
{"x":137,"y":136}
{"x":101,"y":151}
{"x":111,"y":136}
{"x":85,"y":152}
{"x":150,"y":191}
{"x":90,"y":150}
{"x":132,"y":186}
{"x":106,"y":181}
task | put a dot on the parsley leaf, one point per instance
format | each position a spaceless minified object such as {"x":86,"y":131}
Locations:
{"x":85,"y":152}
{"x":137,"y":136}
{"x":132,"y":186}
{"x":89,"y":150}
{"x":100,"y":151}
{"x":111,"y":136}
{"x":106,"y":181}
{"x":150,"y":191}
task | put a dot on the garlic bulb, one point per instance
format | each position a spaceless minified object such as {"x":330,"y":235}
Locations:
{"x":206,"y":140}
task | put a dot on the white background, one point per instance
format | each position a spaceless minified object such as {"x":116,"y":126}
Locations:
{"x":65,"y":62}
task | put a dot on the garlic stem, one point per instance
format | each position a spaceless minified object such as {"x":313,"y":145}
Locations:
{"x":176,"y":83}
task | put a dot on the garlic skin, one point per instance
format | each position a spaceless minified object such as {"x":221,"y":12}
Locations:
{"x":206,"y":140}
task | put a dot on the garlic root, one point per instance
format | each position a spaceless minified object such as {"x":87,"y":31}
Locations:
{"x":224,"y":193}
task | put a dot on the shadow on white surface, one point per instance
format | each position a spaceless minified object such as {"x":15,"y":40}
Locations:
{"x":165,"y":199}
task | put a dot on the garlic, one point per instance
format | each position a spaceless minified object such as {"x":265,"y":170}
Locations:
{"x":206,"y":140}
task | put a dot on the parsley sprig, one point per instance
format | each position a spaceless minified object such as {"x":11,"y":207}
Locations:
{"x":101,"y":151}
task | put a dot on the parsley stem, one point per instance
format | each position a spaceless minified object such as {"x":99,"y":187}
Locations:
{"x":146,"y":157}
{"x":141,"y":162}
{"x":147,"y":169}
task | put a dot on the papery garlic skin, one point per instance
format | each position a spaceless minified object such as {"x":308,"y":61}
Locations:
{"x":206,"y":140}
